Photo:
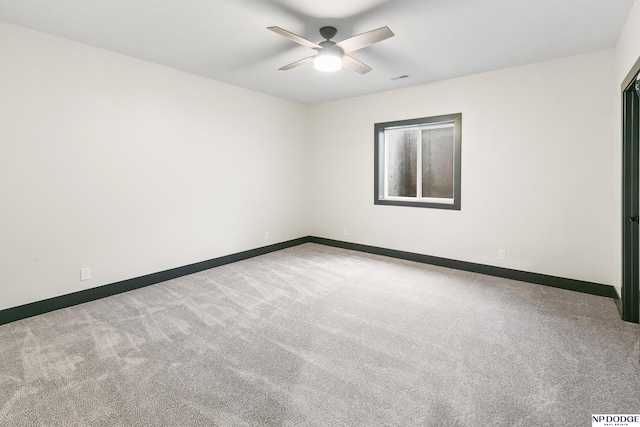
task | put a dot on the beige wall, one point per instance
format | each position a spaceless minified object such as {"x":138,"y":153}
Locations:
{"x":130,"y":168}
{"x":538,"y":162}
{"x":628,"y":47}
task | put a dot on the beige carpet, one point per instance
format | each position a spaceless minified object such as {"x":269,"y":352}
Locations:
{"x":319,"y":336}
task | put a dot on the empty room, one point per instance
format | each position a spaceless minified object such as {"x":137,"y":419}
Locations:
{"x":297,"y":213}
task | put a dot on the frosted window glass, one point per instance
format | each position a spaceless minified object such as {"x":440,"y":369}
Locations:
{"x":402,"y":154}
{"x":437,"y":162}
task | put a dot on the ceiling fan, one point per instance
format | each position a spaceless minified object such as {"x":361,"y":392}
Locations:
{"x":332,"y":56}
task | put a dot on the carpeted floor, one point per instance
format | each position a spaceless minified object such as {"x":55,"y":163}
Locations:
{"x":319,"y":336}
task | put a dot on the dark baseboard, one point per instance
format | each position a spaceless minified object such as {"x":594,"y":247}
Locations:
{"x":618,"y":301}
{"x":68,"y":300}
{"x":63,"y":301}
{"x":523,"y":276}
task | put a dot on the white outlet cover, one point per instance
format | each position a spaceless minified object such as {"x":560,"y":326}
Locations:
{"x":85,"y":273}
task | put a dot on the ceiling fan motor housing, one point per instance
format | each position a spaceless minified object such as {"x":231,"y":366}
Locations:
{"x":330,"y":46}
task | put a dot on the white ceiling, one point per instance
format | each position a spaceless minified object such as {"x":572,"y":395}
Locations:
{"x":227,"y":40}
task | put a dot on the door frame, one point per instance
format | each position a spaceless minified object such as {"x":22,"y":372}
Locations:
{"x":630,"y":194}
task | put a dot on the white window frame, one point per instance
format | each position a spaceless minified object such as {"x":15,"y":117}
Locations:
{"x":382,"y":196}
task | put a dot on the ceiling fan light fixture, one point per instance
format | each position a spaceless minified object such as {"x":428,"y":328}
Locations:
{"x":327,"y":62}
{"x":332,"y":56}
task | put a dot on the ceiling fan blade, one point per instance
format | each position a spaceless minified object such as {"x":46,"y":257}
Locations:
{"x":365,"y":39}
{"x":351,"y":63}
{"x":297,"y":63}
{"x":296,"y":38}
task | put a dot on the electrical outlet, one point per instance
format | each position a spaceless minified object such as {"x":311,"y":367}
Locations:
{"x":266,"y":235}
{"x":345,"y":232}
{"x":502,"y":254}
{"x":85,"y":273}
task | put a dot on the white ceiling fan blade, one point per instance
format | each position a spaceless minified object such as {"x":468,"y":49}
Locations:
{"x":365,"y":39}
{"x":351,"y":63}
{"x":296,"y":38}
{"x":297,"y":63}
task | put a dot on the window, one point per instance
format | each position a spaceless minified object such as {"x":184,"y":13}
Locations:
{"x":417,"y":162}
